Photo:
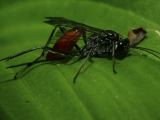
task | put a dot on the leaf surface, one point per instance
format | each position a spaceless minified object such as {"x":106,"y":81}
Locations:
{"x":47,"y":92}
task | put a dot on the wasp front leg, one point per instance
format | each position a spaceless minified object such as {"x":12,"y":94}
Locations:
{"x":113,"y":57}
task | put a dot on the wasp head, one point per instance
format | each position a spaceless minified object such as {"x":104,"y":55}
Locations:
{"x":122,"y":48}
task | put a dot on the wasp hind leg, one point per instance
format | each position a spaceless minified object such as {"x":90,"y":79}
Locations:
{"x":81,"y":66}
{"x":20,"y":53}
{"x":27,"y":65}
{"x":36,"y":61}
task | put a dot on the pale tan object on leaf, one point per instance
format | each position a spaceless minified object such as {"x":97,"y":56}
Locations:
{"x":135,"y":36}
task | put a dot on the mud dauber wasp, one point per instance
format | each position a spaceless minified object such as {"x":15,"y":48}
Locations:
{"x":99,"y":43}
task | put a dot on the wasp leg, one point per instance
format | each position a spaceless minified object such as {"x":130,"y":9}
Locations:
{"x":21,"y":53}
{"x":49,"y":39}
{"x":84,"y":37}
{"x":29,"y":64}
{"x":62,"y":29}
{"x":77,"y":47}
{"x":82,"y":65}
{"x":113,"y":58}
{"x":33,"y":49}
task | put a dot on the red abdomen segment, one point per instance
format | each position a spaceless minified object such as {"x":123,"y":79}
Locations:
{"x":64,"y":44}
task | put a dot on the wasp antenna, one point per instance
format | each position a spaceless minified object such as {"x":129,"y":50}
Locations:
{"x":150,"y":51}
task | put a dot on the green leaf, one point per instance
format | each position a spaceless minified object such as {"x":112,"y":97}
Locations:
{"x":47,"y":92}
{"x":148,"y":9}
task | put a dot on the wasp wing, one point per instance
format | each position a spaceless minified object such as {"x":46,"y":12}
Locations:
{"x":60,"y":21}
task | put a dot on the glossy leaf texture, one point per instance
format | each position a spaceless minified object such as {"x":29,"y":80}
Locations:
{"x":47,"y":92}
